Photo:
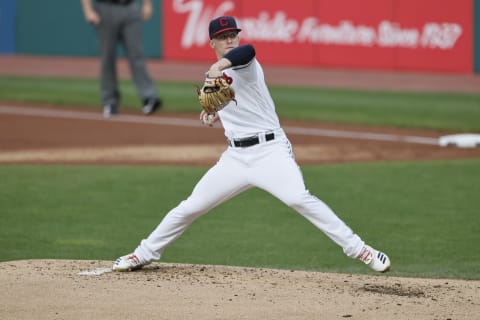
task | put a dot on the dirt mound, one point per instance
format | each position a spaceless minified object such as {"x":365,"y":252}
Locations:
{"x":65,"y":289}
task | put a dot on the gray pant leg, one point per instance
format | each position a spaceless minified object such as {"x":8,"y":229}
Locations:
{"x":108,"y":35}
{"x":132,"y":41}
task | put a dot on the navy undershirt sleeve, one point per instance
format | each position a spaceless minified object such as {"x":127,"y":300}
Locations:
{"x":241,"y":55}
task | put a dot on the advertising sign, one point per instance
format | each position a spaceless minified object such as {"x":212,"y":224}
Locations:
{"x":434,"y":35}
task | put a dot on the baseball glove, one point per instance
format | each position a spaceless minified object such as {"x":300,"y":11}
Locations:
{"x":216,"y":93}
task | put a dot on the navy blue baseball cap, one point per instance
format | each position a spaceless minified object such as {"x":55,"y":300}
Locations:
{"x":222,"y":24}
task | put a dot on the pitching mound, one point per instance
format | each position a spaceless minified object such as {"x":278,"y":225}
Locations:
{"x":65,"y":289}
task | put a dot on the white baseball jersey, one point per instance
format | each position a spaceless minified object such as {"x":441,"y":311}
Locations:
{"x":254,"y":110}
{"x":266,"y":162}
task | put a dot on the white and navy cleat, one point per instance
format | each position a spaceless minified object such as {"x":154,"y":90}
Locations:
{"x":376,"y":260}
{"x":129,"y":262}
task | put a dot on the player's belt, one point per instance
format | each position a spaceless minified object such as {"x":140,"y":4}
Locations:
{"x":249,"y":141}
{"x":122,"y":2}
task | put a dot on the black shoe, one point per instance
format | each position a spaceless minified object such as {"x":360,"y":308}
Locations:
{"x":109,"y":110}
{"x":151,"y":105}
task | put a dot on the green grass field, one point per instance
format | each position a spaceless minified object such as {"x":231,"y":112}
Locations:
{"x":423,"y":214}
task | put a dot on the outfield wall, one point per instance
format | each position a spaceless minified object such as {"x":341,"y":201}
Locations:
{"x":404,"y":35}
{"x":7,"y":22}
{"x":58,"y":27}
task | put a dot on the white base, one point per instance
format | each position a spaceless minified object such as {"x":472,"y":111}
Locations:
{"x":465,"y":140}
{"x":95,"y":272}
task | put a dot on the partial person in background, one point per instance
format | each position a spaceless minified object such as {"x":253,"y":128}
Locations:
{"x":120,"y":21}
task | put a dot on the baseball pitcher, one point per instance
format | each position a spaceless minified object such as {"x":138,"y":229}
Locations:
{"x":258,"y":154}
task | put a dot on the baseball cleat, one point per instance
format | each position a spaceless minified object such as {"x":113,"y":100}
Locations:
{"x":129,"y":262}
{"x":376,"y":260}
{"x":109,"y":110}
{"x":151,"y":105}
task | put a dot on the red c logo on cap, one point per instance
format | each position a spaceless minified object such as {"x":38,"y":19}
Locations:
{"x":223,"y":22}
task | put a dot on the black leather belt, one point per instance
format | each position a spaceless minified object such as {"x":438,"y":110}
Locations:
{"x":121,"y":2}
{"x":249,"y":141}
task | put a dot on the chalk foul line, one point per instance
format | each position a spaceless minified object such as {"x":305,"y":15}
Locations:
{"x":170,"y":121}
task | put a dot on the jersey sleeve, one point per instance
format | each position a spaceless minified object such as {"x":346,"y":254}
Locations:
{"x":241,"y":55}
